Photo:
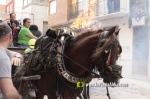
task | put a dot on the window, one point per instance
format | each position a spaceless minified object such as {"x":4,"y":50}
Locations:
{"x":29,"y":1}
{"x":25,"y":2}
{"x":36,"y":1}
{"x":53,"y":7}
{"x":74,"y":6}
{"x":11,"y":8}
{"x":113,"y":6}
{"x":8,"y":10}
{"x":42,"y":1}
{"x":80,"y":5}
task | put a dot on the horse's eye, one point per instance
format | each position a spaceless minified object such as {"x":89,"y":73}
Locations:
{"x":102,"y":43}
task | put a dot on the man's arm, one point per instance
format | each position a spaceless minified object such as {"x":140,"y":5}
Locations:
{"x":8,"y":89}
{"x":31,"y":36}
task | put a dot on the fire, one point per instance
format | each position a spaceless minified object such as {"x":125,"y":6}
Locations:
{"x":84,"y":19}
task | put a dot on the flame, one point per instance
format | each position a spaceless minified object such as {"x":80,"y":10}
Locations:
{"x":84,"y":19}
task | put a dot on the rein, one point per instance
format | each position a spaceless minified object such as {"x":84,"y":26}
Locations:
{"x":79,"y":64}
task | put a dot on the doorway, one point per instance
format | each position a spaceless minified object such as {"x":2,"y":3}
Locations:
{"x":140,"y":50}
{"x":45,"y":27}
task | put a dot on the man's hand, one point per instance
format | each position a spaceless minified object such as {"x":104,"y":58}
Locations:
{"x":18,"y":27}
{"x":13,"y":25}
{"x":16,"y":61}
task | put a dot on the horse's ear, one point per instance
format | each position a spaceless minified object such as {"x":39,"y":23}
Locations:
{"x":111,"y":31}
{"x":111,"y":28}
{"x":117,"y":32}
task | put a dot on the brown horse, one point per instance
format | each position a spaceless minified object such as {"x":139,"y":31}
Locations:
{"x":81,"y":55}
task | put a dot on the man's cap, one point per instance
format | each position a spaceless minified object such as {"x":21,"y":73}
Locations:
{"x":4,"y":29}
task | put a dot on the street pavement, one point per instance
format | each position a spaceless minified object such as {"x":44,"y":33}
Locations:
{"x":130,"y":89}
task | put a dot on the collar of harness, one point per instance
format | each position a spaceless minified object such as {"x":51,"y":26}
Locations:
{"x":63,"y":73}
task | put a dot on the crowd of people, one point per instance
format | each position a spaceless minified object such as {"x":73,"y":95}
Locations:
{"x":22,"y":33}
{"x":15,"y":35}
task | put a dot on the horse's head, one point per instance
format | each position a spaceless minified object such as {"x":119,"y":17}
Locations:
{"x":106,"y":55}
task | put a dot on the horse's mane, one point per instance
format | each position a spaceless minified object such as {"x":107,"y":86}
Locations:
{"x":84,"y":34}
{"x":81,"y":35}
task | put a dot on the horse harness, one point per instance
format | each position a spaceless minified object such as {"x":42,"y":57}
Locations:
{"x":107,"y":68}
{"x":36,"y":60}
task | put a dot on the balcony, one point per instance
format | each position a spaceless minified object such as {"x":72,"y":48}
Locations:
{"x":100,"y":8}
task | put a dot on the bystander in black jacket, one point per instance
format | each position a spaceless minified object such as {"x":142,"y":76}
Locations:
{"x":15,"y":26}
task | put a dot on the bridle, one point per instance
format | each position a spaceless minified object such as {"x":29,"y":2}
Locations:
{"x":108,"y":70}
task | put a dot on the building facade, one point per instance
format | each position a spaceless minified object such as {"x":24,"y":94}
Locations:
{"x":2,"y":11}
{"x":131,"y":16}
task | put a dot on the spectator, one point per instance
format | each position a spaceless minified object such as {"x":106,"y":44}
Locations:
{"x":110,"y":5}
{"x":113,"y":6}
{"x":7,"y":59}
{"x":25,"y":34}
{"x":35,"y":31}
{"x":116,"y":5}
{"x":15,"y":26}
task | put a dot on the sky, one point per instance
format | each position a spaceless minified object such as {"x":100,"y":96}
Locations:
{"x":3,"y":2}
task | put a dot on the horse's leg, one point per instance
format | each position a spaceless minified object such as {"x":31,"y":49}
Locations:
{"x":52,"y":95}
{"x":48,"y":84}
{"x":68,"y":95}
{"x":39,"y":95}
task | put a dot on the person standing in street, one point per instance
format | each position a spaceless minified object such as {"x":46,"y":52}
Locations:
{"x":7,"y":59}
{"x":15,"y":26}
{"x":110,"y":6}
